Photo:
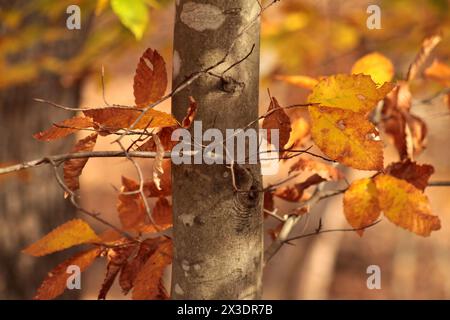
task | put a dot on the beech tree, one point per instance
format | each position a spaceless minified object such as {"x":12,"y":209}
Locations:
{"x":206,"y":220}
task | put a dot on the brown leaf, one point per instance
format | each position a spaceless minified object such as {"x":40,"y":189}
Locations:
{"x":268,"y":201}
{"x":277,"y":119}
{"x":150,"y":80}
{"x":56,"y":281}
{"x":74,"y":167}
{"x":412,"y":172}
{"x":64,"y":128}
{"x":428,"y":45}
{"x":158,"y":169}
{"x":165,"y":137}
{"x":191,"y":113}
{"x":131,"y":208}
{"x":117,"y":257}
{"x":324,"y":170}
{"x":131,"y":269}
{"x":439,"y":72}
{"x":162,"y":212}
{"x":295,"y":193}
{"x":147,"y":284}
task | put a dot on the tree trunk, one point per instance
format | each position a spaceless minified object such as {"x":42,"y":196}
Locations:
{"x":217,"y":231}
{"x":29,"y":209}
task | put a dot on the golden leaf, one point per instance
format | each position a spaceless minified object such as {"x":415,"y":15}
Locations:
{"x":376,"y":65}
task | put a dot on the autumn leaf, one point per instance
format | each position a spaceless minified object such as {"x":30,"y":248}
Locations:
{"x":324,"y":170}
{"x":131,"y":208}
{"x":357,"y":93}
{"x":439,"y":72}
{"x":347,"y":137}
{"x":277,"y":119}
{"x":71,"y":233}
{"x":56,"y":281}
{"x":405,"y":205}
{"x":361,"y":204}
{"x":130,"y":269}
{"x":300,"y":130}
{"x":117,"y":257}
{"x":114,"y":118}
{"x":162,"y":212}
{"x":299,"y":81}
{"x":191,"y":113}
{"x":74,"y":167}
{"x":428,"y":45}
{"x":150,"y":80}
{"x":64,"y":128}
{"x":158,"y":170}
{"x":376,"y":65}
{"x":147,"y":282}
{"x":295,"y":193}
{"x":416,"y":174}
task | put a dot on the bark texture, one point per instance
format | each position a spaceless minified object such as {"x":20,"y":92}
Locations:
{"x":217,"y":231}
{"x":32,"y":207}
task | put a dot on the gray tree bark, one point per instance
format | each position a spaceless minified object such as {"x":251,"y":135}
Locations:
{"x":218,"y":248}
{"x":30,"y":209}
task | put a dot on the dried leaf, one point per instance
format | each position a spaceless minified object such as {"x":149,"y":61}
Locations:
{"x":417,"y":175}
{"x":300,"y":131}
{"x":150,"y":80}
{"x":295,"y":193}
{"x":361,"y":204}
{"x":347,"y":137}
{"x":114,"y":118}
{"x":190,"y":115}
{"x":162,"y":212}
{"x":148,"y":280}
{"x":71,"y":233}
{"x":277,"y":119}
{"x":131,"y":208}
{"x":131,"y":269}
{"x":56,"y":281}
{"x":64,"y":128}
{"x":74,"y":167}
{"x":158,"y":169}
{"x":300,"y":81}
{"x":324,"y":170}
{"x":427,"y":46}
{"x":405,"y":205}
{"x":165,"y":137}
{"x":376,"y":65}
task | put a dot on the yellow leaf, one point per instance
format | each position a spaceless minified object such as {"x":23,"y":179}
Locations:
{"x":69,"y":234}
{"x":56,"y":281}
{"x":405,"y":205}
{"x":361,"y":204}
{"x":357,"y":93}
{"x":299,"y":81}
{"x":377,"y":66}
{"x":347,"y":137}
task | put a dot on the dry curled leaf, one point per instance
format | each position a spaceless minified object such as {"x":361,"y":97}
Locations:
{"x":277,"y":118}
{"x":324,"y":170}
{"x":295,"y":193}
{"x":361,"y":204}
{"x":71,"y":233}
{"x":439,"y":72}
{"x":191,"y":113}
{"x":150,"y":80}
{"x":416,"y":174}
{"x":405,"y":205}
{"x":74,"y":167}
{"x":158,"y":169}
{"x":114,"y":118}
{"x":428,"y":45}
{"x":56,"y":281}
{"x":147,"y":284}
{"x":64,"y":128}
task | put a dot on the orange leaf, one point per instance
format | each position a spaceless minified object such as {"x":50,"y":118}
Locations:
{"x":295,"y":193}
{"x":56,"y":281}
{"x":428,"y":45}
{"x":412,"y":172}
{"x":324,"y":170}
{"x":71,"y":233}
{"x":150,"y":80}
{"x":162,"y":212}
{"x":277,"y":119}
{"x":147,"y":282}
{"x":361,"y":204}
{"x":191,"y":113}
{"x":158,"y":169}
{"x":300,"y":130}
{"x":131,"y":207}
{"x":64,"y":128}
{"x":74,"y":167}
{"x":114,"y":118}
{"x":439,"y":72}
{"x":165,"y":137}
{"x":405,"y":205}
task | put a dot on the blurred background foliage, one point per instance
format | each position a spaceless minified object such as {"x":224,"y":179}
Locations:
{"x":299,"y":37}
